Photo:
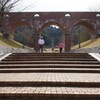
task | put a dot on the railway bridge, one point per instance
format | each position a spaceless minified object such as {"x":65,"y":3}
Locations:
{"x":65,"y":20}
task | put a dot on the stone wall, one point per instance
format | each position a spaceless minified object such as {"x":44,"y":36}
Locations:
{"x":87,"y":50}
{"x":14,"y":50}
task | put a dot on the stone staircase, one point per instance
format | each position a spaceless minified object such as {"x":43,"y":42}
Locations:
{"x":49,"y":76}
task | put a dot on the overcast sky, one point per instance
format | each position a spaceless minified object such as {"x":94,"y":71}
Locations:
{"x":59,"y":5}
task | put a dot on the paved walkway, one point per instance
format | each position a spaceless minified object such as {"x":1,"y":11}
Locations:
{"x":48,"y":90}
{"x":53,"y":77}
{"x":44,"y":85}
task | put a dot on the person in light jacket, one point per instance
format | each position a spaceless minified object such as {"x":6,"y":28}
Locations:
{"x":41,"y":43}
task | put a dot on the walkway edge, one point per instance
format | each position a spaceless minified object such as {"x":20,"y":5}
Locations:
{"x":95,"y":55}
{"x":5,"y":56}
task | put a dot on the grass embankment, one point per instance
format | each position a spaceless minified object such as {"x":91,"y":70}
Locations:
{"x":9,"y":43}
{"x":12,"y":43}
{"x":88,"y":44}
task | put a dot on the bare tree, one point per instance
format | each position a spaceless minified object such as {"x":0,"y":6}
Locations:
{"x":5,"y":7}
{"x":94,"y":8}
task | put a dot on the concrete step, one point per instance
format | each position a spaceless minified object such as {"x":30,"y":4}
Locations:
{"x":49,"y":70}
{"x":49,"y":65}
{"x":49,"y":93}
{"x":50,"y":62}
{"x":50,"y":59}
{"x":49,"y":84}
{"x":50,"y":79}
{"x":45,"y":76}
{"x":63,"y":56}
{"x":47,"y":55}
{"x":25,"y":54}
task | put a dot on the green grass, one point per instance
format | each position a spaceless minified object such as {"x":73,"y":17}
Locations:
{"x":88,"y":44}
{"x":12,"y":43}
{"x":9,"y":43}
{"x":81,"y":44}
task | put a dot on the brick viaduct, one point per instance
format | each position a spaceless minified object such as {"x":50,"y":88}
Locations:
{"x":65,"y":20}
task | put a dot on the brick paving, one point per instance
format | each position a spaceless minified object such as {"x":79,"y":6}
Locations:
{"x":49,"y":90}
{"x":50,"y":85}
{"x":53,"y":77}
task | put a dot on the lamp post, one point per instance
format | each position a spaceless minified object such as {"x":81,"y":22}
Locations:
{"x":79,"y":38}
{"x":35,"y":28}
{"x":98,"y":24}
{"x":67,"y":32}
{"x":6,"y":25}
{"x":23,"y":42}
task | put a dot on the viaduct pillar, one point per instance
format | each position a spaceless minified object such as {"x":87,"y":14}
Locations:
{"x":67,"y":42}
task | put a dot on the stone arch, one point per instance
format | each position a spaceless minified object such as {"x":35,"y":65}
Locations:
{"x":87,"y":24}
{"x":18,"y":24}
{"x":52,"y":23}
{"x":48,"y":23}
{"x":45,"y":24}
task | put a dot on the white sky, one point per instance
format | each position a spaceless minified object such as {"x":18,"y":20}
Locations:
{"x":59,"y":5}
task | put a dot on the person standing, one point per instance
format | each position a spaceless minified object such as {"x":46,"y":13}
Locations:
{"x":61,"y":46}
{"x":41,"y":43}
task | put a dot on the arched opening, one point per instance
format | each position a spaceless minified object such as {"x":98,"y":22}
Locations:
{"x":52,"y":33}
{"x":4,"y":32}
{"x":24,"y":35}
{"x":81,"y":32}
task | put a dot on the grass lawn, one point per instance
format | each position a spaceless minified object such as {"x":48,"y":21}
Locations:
{"x":12,"y":43}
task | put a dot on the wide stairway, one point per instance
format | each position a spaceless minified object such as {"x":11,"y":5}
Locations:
{"x":49,"y":76}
